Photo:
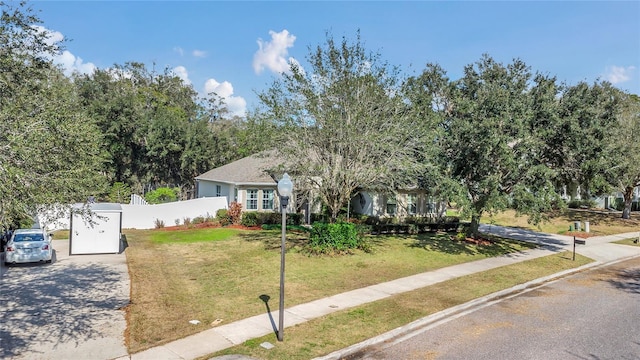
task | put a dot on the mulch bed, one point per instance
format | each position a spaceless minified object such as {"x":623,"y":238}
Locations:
{"x":475,"y":241}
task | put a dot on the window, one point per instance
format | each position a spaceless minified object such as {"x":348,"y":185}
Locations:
{"x":252,"y":199}
{"x":431,"y":207}
{"x":218,"y":190}
{"x":235,"y":194}
{"x":391,"y":205}
{"x":412,"y":204}
{"x":267,"y":199}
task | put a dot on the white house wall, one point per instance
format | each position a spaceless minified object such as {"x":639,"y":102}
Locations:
{"x":208,"y":189}
{"x":376,"y":204}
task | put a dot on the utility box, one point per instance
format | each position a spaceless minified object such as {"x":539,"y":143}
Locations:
{"x":95,"y":232}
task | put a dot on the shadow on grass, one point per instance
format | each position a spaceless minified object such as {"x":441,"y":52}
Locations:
{"x":265,"y":298}
{"x":445,"y":243}
{"x":272,"y":239}
{"x":595,"y":218}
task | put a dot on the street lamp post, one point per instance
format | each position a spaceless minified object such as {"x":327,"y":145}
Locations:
{"x":285,"y":188}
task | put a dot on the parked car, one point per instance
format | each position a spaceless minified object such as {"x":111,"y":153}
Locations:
{"x":28,"y":245}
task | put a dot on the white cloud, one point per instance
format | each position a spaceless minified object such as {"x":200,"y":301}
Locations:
{"x":199,"y":53}
{"x":273,"y":54}
{"x":619,"y":74}
{"x":179,"y":50}
{"x":236,"y":105}
{"x":73,"y":64}
{"x":52,"y":37}
{"x":70,"y":63}
{"x":182,"y":73}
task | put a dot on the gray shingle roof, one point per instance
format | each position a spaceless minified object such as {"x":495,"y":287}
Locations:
{"x":249,"y":170}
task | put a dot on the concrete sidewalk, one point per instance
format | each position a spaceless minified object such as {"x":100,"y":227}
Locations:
{"x":225,"y":336}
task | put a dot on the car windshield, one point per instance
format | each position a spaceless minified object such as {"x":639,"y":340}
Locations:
{"x":28,"y":237}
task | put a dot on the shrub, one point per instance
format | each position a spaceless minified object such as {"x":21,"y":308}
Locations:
{"x":250,"y":219}
{"x":235,"y":212}
{"x":177,"y":221}
{"x":159,"y":224}
{"x":331,"y":238}
{"x":578,"y":204}
{"x":223,"y":217}
{"x":197,"y":220}
{"x":162,"y":195}
{"x":186,"y":221}
{"x":294,"y":218}
{"x":209,"y":218}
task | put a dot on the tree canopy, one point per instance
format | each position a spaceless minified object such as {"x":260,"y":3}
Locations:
{"x":499,"y":136}
{"x":50,"y":148}
{"x":344,"y":124}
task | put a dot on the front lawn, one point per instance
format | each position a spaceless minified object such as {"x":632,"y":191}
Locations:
{"x":600,"y":222}
{"x":221,"y":277}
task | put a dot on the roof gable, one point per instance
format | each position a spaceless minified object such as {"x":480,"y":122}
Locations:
{"x":249,"y":170}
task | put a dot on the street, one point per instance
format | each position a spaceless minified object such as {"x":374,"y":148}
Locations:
{"x":591,"y":315}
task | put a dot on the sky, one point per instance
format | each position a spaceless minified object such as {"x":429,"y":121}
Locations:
{"x":238,"y":48}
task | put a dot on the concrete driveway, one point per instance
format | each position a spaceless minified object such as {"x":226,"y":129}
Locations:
{"x":71,"y":309}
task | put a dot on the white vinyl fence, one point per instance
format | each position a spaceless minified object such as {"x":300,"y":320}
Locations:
{"x":145,"y":216}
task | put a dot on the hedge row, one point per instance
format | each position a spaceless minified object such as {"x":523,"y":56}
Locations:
{"x":255,"y":218}
{"x":418,"y":228}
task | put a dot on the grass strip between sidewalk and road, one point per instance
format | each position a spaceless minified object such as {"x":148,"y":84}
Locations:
{"x":336,"y":331}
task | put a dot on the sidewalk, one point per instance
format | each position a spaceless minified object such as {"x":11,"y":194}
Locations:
{"x":209,"y":341}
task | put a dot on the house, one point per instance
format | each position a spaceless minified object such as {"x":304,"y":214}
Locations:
{"x":403,"y":204}
{"x":250,"y":182}
{"x":247,"y":181}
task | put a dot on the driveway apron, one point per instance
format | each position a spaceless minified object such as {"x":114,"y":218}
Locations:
{"x":70,"y":309}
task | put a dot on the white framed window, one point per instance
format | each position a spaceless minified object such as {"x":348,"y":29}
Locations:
{"x":218,"y":190}
{"x":412,"y":204}
{"x":252,"y":199}
{"x":267,"y":199}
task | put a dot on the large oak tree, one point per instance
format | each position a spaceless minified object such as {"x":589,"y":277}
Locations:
{"x":344,"y":124}
{"x":49,"y":149}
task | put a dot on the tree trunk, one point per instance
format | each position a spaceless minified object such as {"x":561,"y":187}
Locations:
{"x":628,"y":200}
{"x":472,"y":232}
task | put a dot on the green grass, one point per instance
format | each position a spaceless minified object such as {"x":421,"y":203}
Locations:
{"x":629,"y":242}
{"x":344,"y":328}
{"x":193,"y":235}
{"x":225,"y":279}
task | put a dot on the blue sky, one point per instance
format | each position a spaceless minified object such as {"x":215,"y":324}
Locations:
{"x":237,"y":48}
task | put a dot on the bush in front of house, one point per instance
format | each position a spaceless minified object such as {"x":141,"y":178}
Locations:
{"x":235,"y":212}
{"x":581,"y":204}
{"x":250,"y":219}
{"x":159,"y":224}
{"x":329,"y":238}
{"x":223,"y":217}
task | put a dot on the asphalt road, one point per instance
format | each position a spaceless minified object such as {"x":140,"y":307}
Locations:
{"x":591,"y":315}
{"x":69,"y":309}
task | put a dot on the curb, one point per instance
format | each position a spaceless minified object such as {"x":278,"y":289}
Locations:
{"x":416,"y":327}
